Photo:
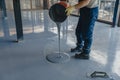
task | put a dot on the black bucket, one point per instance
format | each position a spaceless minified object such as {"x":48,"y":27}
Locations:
{"x":57,"y":13}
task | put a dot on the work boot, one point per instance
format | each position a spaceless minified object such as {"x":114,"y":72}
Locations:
{"x":76,"y":49}
{"x":82,"y":56}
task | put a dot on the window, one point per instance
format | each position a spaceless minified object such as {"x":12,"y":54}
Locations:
{"x":106,"y":10}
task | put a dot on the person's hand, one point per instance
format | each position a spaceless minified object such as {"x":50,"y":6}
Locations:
{"x":69,"y":10}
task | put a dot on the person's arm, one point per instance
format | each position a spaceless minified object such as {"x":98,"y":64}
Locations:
{"x":81,"y":4}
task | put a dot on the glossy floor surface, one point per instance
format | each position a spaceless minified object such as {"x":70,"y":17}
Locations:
{"x":26,"y":60}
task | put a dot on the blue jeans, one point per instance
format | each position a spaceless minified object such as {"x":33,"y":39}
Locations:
{"x":85,"y":27}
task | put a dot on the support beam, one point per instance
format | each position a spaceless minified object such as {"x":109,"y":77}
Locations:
{"x":18,"y":20}
{"x":119,"y":19}
{"x":115,"y":15}
{"x":3,"y":7}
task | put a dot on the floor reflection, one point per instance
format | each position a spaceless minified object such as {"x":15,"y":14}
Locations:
{"x":26,"y":60}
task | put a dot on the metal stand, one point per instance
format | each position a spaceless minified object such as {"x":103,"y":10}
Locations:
{"x":59,"y":57}
{"x":99,"y":74}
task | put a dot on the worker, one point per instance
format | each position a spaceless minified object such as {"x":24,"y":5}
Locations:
{"x":84,"y":31}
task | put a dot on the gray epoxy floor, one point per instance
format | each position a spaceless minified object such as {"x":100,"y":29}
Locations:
{"x":26,"y":60}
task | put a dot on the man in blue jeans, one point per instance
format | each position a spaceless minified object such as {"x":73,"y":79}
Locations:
{"x":84,"y":30}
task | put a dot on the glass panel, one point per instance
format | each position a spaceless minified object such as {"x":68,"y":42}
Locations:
{"x":106,"y":10}
{"x":37,"y":4}
{"x":9,"y":4}
{"x":51,"y":2}
{"x":25,"y":4}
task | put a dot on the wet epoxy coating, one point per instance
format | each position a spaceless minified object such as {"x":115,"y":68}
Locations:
{"x":26,"y":60}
